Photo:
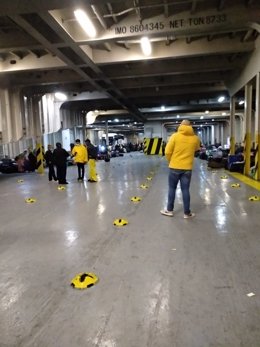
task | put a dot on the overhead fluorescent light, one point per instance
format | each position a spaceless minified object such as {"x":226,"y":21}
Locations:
{"x":85,"y":23}
{"x":146,"y":46}
{"x":201,"y":117}
{"x":221,"y":99}
{"x":178,"y":116}
{"x":162,"y":107}
{"x":241,"y":102}
{"x":60,"y":96}
{"x":224,"y":113}
{"x":207,"y":111}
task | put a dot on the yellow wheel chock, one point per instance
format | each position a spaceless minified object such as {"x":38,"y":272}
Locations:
{"x":136,"y":199}
{"x":30,"y":200}
{"x":254,"y":198}
{"x":120,"y":222}
{"x":61,"y":188}
{"x":224,"y":177}
{"x":149,"y":178}
{"x":144,"y":186}
{"x":19,"y":181}
{"x":84,"y":280}
{"x":235,"y":185}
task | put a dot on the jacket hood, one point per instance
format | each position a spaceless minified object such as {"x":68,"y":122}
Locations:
{"x":186,"y":130}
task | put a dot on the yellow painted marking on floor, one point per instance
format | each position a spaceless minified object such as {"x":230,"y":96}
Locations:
{"x":136,"y":199}
{"x":120,"y":222}
{"x":61,"y":188}
{"x":84,"y":280}
{"x":249,"y":181}
{"x":235,"y":185}
{"x":254,"y":198}
{"x":30,"y":200}
{"x":224,"y":177}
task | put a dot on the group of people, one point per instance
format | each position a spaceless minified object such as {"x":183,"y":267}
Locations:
{"x":179,"y":153}
{"x":26,"y":161}
{"x":81,"y":155}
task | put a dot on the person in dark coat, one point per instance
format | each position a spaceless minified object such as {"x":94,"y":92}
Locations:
{"x":50,"y":163}
{"x":32,"y":161}
{"x":92,"y":157}
{"x":60,"y":156}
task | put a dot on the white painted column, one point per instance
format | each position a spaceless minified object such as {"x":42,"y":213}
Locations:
{"x":232,"y":125}
{"x":107,"y":139}
{"x":222,"y":134}
{"x":212,"y":134}
{"x":36,"y":108}
{"x":217,"y":137}
{"x":207,"y":135}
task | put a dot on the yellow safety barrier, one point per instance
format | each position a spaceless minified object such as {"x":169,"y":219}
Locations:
{"x":257,"y":167}
{"x":153,"y":145}
{"x":39,"y":156}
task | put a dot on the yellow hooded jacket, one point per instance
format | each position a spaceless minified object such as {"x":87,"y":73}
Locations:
{"x":181,"y":148}
{"x":80,"y":154}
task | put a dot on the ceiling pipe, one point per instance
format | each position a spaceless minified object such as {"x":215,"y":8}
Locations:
{"x":148,"y":6}
{"x":255,"y":26}
{"x":103,"y":23}
{"x":166,"y":9}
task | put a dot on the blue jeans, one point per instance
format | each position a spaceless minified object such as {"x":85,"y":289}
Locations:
{"x":184,"y":176}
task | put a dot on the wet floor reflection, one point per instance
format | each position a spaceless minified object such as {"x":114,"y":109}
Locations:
{"x":71,"y":237}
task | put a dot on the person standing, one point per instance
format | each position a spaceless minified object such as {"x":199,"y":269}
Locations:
{"x":32,"y":161}
{"x":80,"y":155}
{"x":48,"y":156}
{"x":163,"y":148}
{"x":179,"y":152}
{"x":92,"y":157}
{"x":60,"y":156}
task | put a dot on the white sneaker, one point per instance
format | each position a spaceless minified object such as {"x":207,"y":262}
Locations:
{"x":190,"y":215}
{"x":167,"y":213}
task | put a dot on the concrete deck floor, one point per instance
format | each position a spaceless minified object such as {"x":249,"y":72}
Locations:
{"x":164,"y":282}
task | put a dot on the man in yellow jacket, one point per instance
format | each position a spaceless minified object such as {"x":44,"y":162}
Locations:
{"x":80,"y":156}
{"x":180,"y":152}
